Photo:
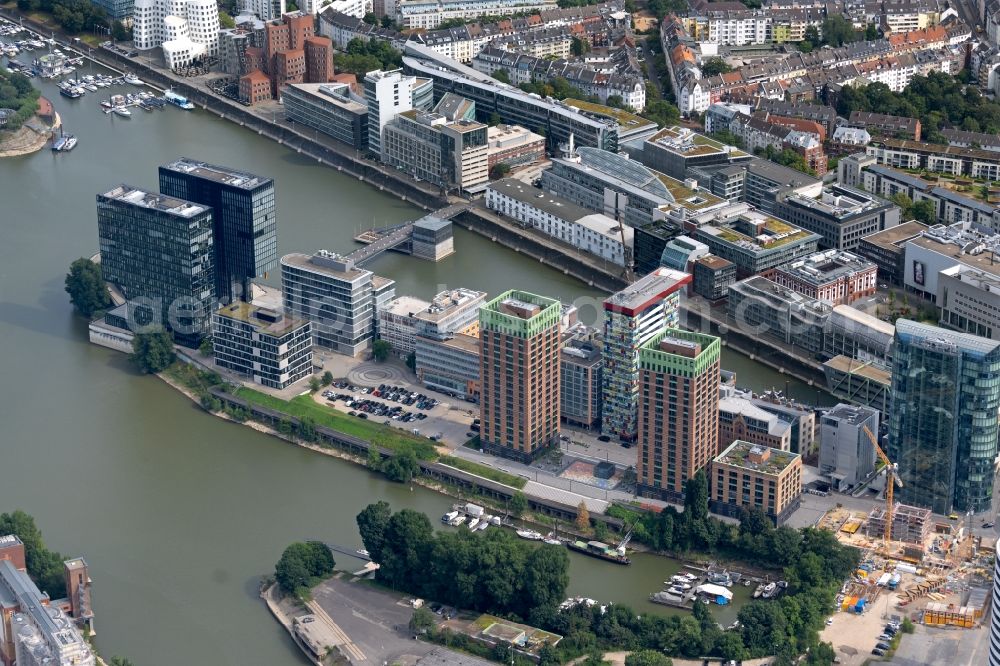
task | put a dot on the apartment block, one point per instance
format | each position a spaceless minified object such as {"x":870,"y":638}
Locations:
{"x":747,"y":476}
{"x":451,"y":312}
{"x":268,"y":346}
{"x":678,"y":411}
{"x":580,"y":369}
{"x":741,"y":419}
{"x":846,"y":455}
{"x":887,"y":250}
{"x":891,"y":126}
{"x":713,"y":276}
{"x":427,"y":14}
{"x":755,"y":242}
{"x":762,"y":308}
{"x":801,"y":418}
{"x":633,"y":317}
{"x":387,"y":95}
{"x":397,"y":323}
{"x":160,"y":252}
{"x":519,"y":405}
{"x":969,"y":300}
{"x":244,"y":219}
{"x":450,"y":365}
{"x":429,"y":147}
{"x":841,"y":215}
{"x":514,"y":146}
{"x":329,"y":108}
{"x":832,"y":276}
{"x":338,"y":298}
{"x":904,"y":154}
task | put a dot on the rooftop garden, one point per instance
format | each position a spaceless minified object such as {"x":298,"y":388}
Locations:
{"x":621,"y":116}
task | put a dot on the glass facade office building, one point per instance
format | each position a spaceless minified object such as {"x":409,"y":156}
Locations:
{"x":245,"y":220}
{"x":159,"y":251}
{"x":943,"y":424}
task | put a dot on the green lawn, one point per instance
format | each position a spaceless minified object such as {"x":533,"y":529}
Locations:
{"x":482,"y":470}
{"x":303,"y":406}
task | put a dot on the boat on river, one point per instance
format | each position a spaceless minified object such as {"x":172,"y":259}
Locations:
{"x":600,"y":550}
{"x":178,"y":100}
{"x":122,"y":111}
{"x":530,"y":535}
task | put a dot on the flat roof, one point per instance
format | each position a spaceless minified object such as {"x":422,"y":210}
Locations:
{"x":737,"y":453}
{"x":160,"y":202}
{"x":628,"y":121}
{"x":446,"y":303}
{"x":306,"y":262}
{"x":406,"y":306}
{"x":865,"y":319}
{"x":328,"y":92}
{"x":714,"y":262}
{"x":646,"y":291}
{"x":851,"y":366}
{"x":686,"y":142}
{"x":965,"y":341}
{"x":738,"y":405}
{"x":538,"y":198}
{"x":894,"y":237}
{"x":984,"y":261}
{"x":462,"y":342}
{"x":822,"y":267}
{"x":853,"y":414}
{"x":251,"y":314}
{"x":779,"y":232}
{"x":219,"y":174}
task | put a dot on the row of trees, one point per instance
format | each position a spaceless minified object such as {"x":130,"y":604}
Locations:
{"x":363,"y":56}
{"x":939,"y":100}
{"x":786,"y":157}
{"x":922,"y":211}
{"x":73,"y":16}
{"x":17,"y":93}
{"x":44,"y":566}
{"x":491,"y":571}
{"x":302,"y":565}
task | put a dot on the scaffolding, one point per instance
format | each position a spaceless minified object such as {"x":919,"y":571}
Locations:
{"x":910,"y":524}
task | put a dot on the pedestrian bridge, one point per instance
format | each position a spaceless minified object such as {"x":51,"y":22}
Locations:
{"x":433,"y":233}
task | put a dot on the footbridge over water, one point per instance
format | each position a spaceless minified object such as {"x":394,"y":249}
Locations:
{"x":429,"y":238}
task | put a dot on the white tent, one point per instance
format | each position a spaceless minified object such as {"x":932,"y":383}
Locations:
{"x":714,"y":591}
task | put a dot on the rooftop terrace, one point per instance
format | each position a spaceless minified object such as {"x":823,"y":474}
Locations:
{"x":265,"y":321}
{"x":758,"y":458}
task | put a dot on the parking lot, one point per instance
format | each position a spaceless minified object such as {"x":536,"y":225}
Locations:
{"x":405,"y":406}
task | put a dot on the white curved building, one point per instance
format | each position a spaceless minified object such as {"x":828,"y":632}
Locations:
{"x":995,"y":613}
{"x":186,"y":30}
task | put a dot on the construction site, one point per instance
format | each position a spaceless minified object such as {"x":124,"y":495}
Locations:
{"x":929,"y":570}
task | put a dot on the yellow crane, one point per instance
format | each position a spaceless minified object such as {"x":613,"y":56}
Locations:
{"x":891,"y":480}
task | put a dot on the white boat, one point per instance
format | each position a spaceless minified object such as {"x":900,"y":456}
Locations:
{"x":495,"y":520}
{"x":484,"y":522}
{"x":363,"y":553}
{"x":122,"y":111}
{"x":676,"y":591}
{"x":530,"y":535}
{"x":473,"y":524}
{"x":458,"y":521}
{"x":178,"y":100}
{"x":552,"y":542}
{"x":134,"y":80}
{"x":448,"y":517}
{"x":769,"y":590}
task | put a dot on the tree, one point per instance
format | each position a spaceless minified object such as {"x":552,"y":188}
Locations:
{"x":661,"y":112}
{"x":924,"y":211}
{"x":648,"y":658}
{"x":713,"y":66}
{"x":495,"y":119}
{"x":372,"y":524}
{"x":615,"y":102}
{"x":582,"y":517}
{"x":387,"y":22}
{"x":302,"y":564}
{"x":153,"y":352}
{"x":499,"y":170}
{"x":206,"y":348}
{"x":871,"y":32}
{"x":546,"y":573}
{"x":225,"y":20}
{"x":380,"y":350}
{"x":838,"y":31}
{"x":210,"y":403}
{"x":696,"y":496}
{"x":579,"y":46}
{"x":518,"y":504}
{"x":421,"y":620}
{"x":401,"y":467}
{"x":370,"y":18}
{"x":502,"y":76}
{"x":327,"y":378}
{"x":314,"y":384}
{"x":905,"y":204}
{"x":411,"y":361}
{"x":85,"y":286}
{"x":307,"y":429}
{"x":44,"y":566}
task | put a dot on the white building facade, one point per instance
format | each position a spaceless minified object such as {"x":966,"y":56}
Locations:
{"x":186,"y":30}
{"x":594,"y":233}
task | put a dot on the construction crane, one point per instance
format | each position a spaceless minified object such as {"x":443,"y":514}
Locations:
{"x":891,"y":480}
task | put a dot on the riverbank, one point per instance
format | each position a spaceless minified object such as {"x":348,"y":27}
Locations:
{"x":26,"y":140}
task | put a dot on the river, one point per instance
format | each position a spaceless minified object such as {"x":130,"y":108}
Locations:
{"x":177,"y":512}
